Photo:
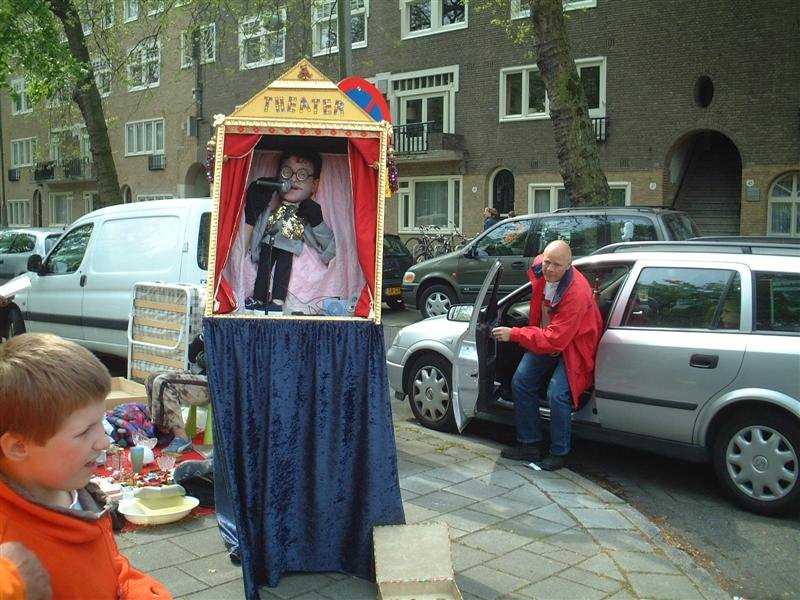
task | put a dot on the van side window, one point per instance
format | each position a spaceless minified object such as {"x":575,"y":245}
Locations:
{"x":777,"y":302}
{"x":507,"y":239}
{"x":203,"y":236}
{"x":68,"y":254}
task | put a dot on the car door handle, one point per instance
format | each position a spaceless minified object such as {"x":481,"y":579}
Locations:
{"x":704,"y":361}
{"x":83,"y":280}
{"x":518,"y":264}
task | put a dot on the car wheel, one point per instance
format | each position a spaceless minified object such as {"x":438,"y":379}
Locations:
{"x":757,"y":459}
{"x":436,"y":300}
{"x":430,"y":392}
{"x":395,"y":304}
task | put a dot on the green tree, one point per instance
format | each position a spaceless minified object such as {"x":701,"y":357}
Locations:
{"x":546,"y":35}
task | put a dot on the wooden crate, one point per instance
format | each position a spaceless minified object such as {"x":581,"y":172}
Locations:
{"x":124,"y":391}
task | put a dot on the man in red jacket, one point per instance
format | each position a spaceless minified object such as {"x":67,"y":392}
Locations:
{"x":560,"y":340}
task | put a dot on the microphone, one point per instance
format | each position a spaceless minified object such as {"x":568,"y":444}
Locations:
{"x":274,"y":183}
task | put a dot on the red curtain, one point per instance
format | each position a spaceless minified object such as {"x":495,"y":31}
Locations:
{"x":238,"y":154}
{"x":364,"y":154}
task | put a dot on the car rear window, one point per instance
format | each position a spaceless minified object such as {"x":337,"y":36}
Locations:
{"x":680,"y":226}
{"x":392,"y":246}
{"x":778,"y":302}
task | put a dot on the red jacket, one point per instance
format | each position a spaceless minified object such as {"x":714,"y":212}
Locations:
{"x":77,"y":548}
{"x":574,"y":330}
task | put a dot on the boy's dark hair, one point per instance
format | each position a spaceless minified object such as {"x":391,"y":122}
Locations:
{"x":306,"y":154}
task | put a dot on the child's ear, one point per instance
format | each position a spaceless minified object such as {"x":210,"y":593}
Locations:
{"x":14,"y":446}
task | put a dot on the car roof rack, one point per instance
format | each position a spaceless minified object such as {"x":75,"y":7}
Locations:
{"x":701,"y":245}
{"x":636,"y":207}
{"x":749,"y":239}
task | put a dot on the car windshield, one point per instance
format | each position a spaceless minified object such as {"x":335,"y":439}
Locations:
{"x":392,"y":246}
{"x":6,"y":237}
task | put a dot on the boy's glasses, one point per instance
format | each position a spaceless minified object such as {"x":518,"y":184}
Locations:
{"x":302,"y":174}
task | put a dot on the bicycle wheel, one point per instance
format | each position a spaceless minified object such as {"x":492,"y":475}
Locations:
{"x":412,"y":244}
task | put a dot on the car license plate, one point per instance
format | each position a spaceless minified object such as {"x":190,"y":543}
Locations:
{"x":394,"y":291}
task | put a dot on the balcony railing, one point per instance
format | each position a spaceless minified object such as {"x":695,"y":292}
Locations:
{"x":13,"y":174}
{"x":412,"y":138}
{"x":61,"y":170}
{"x":600,"y":125}
{"x":157,"y":162}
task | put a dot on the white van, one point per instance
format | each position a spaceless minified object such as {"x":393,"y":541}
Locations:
{"x":82,"y":289}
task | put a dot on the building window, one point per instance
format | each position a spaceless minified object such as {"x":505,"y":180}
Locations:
{"x":326,"y":23}
{"x":20,"y":102}
{"x":144,"y":137}
{"x":207,"y":46}
{"x":430,"y":201}
{"x":523,"y":95}
{"x":503,"y":191}
{"x":130,"y":10}
{"x":107,"y":15}
{"x":19,"y":213}
{"x":102,"y":76}
{"x":155,"y":7}
{"x":144,"y":65}
{"x":426,"y":17}
{"x":426,"y":98}
{"x":60,"y":208}
{"x":23,"y":152}
{"x":546,"y":197}
{"x":262,"y":40}
{"x":521,"y":9}
{"x":784,"y":205}
{"x":151,"y":197}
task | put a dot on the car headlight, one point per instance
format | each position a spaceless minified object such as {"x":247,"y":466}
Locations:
{"x":408,"y":277}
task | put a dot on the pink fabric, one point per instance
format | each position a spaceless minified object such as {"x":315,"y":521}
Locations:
{"x":311,"y":280}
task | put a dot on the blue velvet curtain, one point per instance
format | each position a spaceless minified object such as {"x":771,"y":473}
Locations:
{"x":303,"y":430}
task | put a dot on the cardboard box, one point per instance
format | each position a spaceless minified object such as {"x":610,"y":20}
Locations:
{"x":414,"y":562}
{"x":124,"y":391}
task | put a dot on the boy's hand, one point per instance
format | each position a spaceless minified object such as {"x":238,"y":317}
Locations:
{"x":310,"y":211}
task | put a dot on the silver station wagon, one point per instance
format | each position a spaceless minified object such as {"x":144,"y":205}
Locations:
{"x":700,"y":360}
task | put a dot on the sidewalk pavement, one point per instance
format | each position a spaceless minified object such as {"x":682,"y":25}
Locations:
{"x":516,"y":533}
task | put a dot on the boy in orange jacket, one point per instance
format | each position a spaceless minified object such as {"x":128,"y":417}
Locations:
{"x":52,"y":404}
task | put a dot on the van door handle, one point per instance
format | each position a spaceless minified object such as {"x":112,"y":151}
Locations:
{"x":518,"y":264}
{"x":83,"y":280}
{"x":704,"y":361}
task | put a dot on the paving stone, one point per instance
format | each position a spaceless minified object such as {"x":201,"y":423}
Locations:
{"x":623,"y":594}
{"x":553,"y":512}
{"x":602,"y":494}
{"x":476,"y":489}
{"x":406,"y":495}
{"x":621,"y":540}
{"x":293,"y":585}
{"x":530,"y":495}
{"x":231,"y":590}
{"x":157,"y":555}
{"x":422,"y":483}
{"x":469,"y":520}
{"x":575,"y":540}
{"x":558,"y":588}
{"x":531,"y":527}
{"x":570,"y":500}
{"x":465,"y":556}
{"x":606,"y":585}
{"x":438,"y":458}
{"x":502,"y":507}
{"x":441,"y":501}
{"x":202,"y":543}
{"x":525,"y":565}
{"x":177,"y":582}
{"x":487,"y":583}
{"x":419,"y":514}
{"x":407,"y":467}
{"x":602,"y":565}
{"x":504,"y":478}
{"x":495,"y":541}
{"x":601,"y":518}
{"x":646,"y":562}
{"x":479,"y":466}
{"x":553,"y":482}
{"x":664,"y":587}
{"x":453,"y":473}
{"x":565,"y":556}
{"x":212,"y":570}
{"x":352,"y":588}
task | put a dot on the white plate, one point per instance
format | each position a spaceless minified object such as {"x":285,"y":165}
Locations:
{"x":139,"y":514}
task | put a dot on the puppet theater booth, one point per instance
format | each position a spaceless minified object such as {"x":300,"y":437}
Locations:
{"x":302,"y":420}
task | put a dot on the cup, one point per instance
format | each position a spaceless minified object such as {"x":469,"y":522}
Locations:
{"x":137,"y":459}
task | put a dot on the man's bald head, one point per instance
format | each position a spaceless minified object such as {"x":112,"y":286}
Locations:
{"x":556,"y":259}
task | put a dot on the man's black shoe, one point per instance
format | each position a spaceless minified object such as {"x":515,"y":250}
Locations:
{"x":553,"y":462}
{"x":526,"y":452}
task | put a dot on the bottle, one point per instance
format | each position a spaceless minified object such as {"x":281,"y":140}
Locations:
{"x":101,"y":458}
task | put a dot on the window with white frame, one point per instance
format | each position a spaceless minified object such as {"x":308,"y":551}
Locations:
{"x":426,"y":17}
{"x":207,"y":46}
{"x":546,"y":197}
{"x":102,"y":76}
{"x":20,"y":102}
{"x":523,"y":95}
{"x":144,"y":137}
{"x":144,"y":65}
{"x":521,"y":9}
{"x":262,"y":40}
{"x":107,"y":14}
{"x":325,"y":25}
{"x":23,"y":152}
{"x":19,"y":213}
{"x":784,"y":205}
{"x":152,"y":197}
{"x":429,"y":201}
{"x":91,"y":201}
{"x":423,"y":102}
{"x":155,"y":7}
{"x":60,"y":208}
{"x":55,"y":144}
{"x":130,"y":10}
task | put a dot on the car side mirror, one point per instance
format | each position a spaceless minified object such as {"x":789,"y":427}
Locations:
{"x":460,"y":312}
{"x":35,"y":263}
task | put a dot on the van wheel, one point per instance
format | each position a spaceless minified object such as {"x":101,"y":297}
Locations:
{"x":430,"y":392}
{"x":395,"y":304}
{"x":16,"y":324}
{"x":757,"y":460}
{"x":436,"y":300}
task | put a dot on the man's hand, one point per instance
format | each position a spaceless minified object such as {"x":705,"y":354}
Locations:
{"x":5,"y":301}
{"x":310,"y":211}
{"x":32,"y":572}
{"x":502,"y":334}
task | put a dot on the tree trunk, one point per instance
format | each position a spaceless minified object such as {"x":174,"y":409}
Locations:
{"x":87,"y":96}
{"x":579,"y":163}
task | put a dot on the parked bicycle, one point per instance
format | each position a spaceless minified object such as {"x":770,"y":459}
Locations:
{"x":433,"y":242}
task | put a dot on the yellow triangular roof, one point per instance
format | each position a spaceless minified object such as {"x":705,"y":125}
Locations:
{"x":302,"y":93}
